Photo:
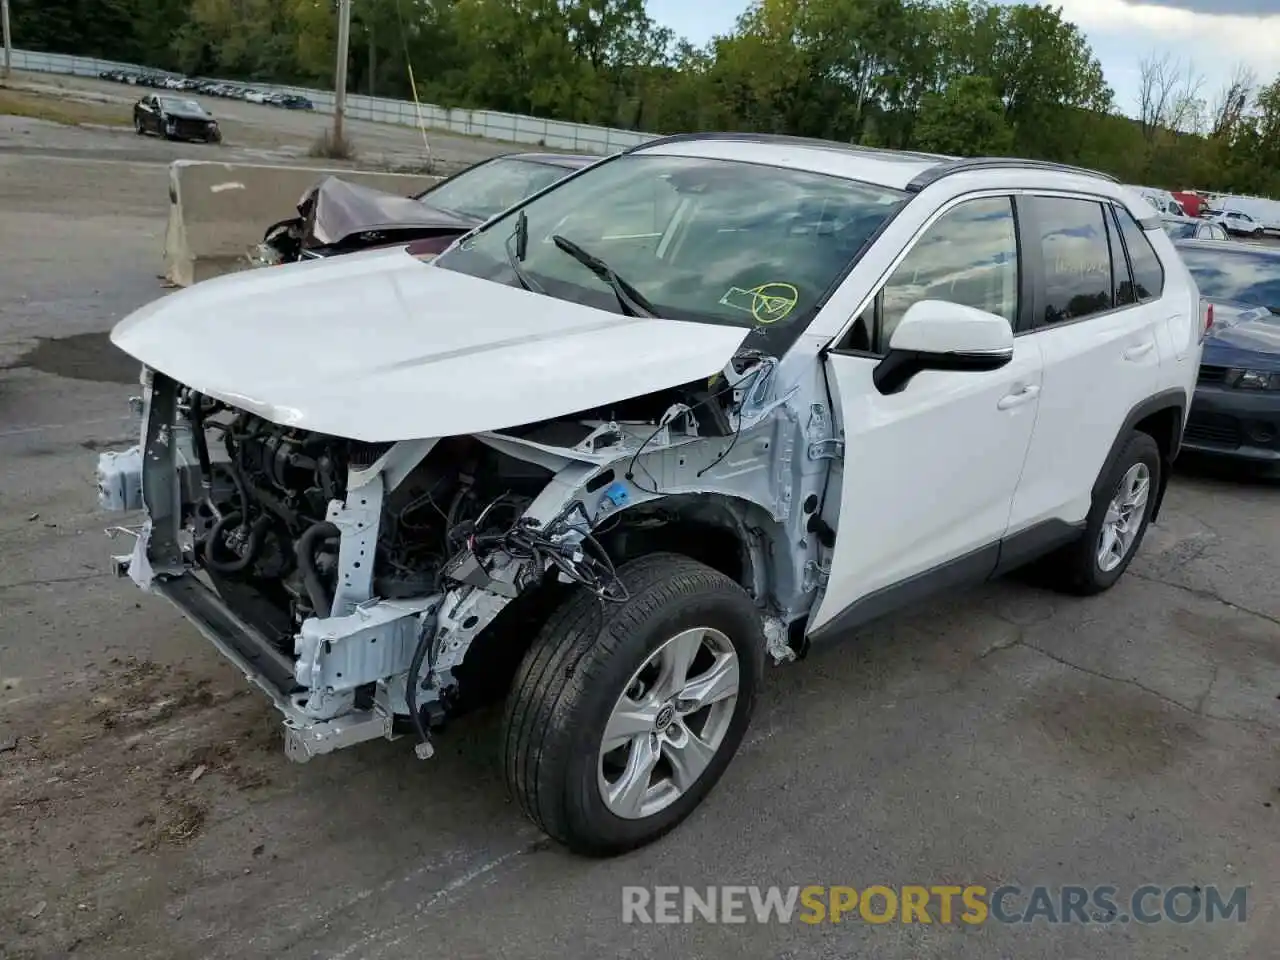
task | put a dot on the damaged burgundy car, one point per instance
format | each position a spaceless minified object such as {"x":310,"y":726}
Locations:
{"x":336,"y":216}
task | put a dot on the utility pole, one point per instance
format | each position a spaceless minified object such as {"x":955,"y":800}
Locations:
{"x":340,"y":72}
{"x":8,"y":41}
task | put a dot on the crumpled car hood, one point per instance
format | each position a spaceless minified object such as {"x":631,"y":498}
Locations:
{"x":334,"y":209}
{"x":379,"y":346}
{"x":1243,"y":335}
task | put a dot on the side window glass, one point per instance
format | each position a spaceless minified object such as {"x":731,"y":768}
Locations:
{"x":969,"y":256}
{"x":1077,"y":259}
{"x":1148,"y":272}
{"x":1120,"y":275}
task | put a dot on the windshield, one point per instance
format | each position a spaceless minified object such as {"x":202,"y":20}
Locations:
{"x":1238,"y":275}
{"x":485,"y":191}
{"x":713,"y":241}
{"x":188,"y":106}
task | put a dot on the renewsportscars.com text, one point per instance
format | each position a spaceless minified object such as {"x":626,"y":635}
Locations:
{"x":934,"y":904}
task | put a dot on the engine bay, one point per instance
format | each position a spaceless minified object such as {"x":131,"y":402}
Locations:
{"x":260,"y":528}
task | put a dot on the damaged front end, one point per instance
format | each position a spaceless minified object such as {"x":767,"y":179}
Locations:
{"x":336,"y":216}
{"x":377,"y":589}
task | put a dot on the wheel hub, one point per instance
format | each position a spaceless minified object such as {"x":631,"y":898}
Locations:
{"x":664,"y":718}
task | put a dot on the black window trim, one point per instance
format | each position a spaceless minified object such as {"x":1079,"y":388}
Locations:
{"x":1115,"y":235}
{"x":873,"y":301}
{"x":1115,"y":216}
{"x":1035,"y":262}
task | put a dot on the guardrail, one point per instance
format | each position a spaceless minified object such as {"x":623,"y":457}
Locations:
{"x":509,"y":127}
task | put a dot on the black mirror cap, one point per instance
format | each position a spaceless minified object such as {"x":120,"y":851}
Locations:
{"x":894,"y":372}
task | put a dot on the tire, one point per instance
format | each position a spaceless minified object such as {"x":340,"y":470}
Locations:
{"x":586,"y":657}
{"x":138,"y":127}
{"x":1079,"y":568}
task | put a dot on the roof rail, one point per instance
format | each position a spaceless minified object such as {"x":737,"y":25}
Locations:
{"x":934,"y":174}
{"x":786,"y":139}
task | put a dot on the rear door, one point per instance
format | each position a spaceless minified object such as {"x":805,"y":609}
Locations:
{"x":929,"y":474}
{"x":1099,"y":320}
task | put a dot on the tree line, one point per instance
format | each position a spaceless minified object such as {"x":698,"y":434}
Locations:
{"x":955,"y":76}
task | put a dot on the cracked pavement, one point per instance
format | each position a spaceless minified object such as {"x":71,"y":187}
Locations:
{"x":1007,"y":735}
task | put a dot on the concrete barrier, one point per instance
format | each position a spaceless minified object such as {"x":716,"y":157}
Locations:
{"x":218,"y":211}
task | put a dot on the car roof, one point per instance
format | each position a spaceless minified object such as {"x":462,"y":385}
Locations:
{"x":897,"y":169}
{"x":574,"y":160}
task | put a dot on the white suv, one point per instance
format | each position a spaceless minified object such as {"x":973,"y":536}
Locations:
{"x":715,"y":398}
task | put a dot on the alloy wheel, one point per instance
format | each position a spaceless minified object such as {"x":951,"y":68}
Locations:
{"x":1124,"y":517}
{"x":669,"y":723}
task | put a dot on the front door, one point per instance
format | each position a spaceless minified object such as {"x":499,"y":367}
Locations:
{"x":929,"y":474}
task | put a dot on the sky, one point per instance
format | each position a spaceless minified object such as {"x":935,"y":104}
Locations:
{"x":1215,"y":34}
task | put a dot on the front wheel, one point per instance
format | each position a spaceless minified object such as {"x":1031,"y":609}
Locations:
{"x":623,"y":716}
{"x":1116,"y":523}
{"x":138,"y":127}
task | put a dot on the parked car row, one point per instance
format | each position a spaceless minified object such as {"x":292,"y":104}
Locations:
{"x":212,"y":88}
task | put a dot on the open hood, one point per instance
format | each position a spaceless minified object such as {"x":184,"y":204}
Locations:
{"x":379,"y":346}
{"x":334,"y":210}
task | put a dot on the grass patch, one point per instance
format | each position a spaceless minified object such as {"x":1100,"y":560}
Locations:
{"x":72,"y":113}
{"x":327,"y":147}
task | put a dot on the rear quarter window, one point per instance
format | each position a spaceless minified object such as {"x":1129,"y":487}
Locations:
{"x":1148,"y":272}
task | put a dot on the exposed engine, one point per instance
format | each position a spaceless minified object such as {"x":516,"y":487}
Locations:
{"x":261,"y":529}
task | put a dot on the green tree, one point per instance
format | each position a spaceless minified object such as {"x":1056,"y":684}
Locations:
{"x":965,"y":119}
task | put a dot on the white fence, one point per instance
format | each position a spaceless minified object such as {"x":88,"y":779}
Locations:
{"x":508,"y":127}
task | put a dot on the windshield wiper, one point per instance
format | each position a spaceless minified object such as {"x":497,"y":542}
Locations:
{"x":632,"y":300}
{"x":515,"y":254}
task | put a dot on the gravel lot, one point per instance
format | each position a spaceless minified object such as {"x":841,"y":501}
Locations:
{"x":1005,"y":736}
{"x":251,"y":133}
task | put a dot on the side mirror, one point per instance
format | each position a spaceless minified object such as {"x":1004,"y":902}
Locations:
{"x":938,"y":335}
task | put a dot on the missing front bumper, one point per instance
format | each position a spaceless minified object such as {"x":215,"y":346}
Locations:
{"x":266,"y":668}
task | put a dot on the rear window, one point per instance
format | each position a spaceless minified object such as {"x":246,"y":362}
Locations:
{"x":1242,"y":276}
{"x":1077,"y":258}
{"x":1148,"y":272}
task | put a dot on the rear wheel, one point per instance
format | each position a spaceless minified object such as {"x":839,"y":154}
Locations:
{"x":138,"y":127}
{"x":623,"y":716}
{"x":1116,"y":523}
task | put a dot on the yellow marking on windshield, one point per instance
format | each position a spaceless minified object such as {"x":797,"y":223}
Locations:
{"x":767,"y":303}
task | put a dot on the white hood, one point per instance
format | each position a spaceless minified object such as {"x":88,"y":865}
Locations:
{"x":379,"y":346}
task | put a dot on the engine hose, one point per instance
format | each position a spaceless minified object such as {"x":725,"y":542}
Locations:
{"x":202,"y":445}
{"x":305,"y":550}
{"x":252,"y":545}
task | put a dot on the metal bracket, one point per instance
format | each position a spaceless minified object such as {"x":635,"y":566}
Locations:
{"x":302,"y":743}
{"x":815,"y":575}
{"x":830,"y":449}
{"x":823,"y":444}
{"x":358,"y":520}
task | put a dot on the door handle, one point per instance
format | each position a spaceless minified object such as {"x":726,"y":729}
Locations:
{"x":1025,"y":394}
{"x":1140,"y":351}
